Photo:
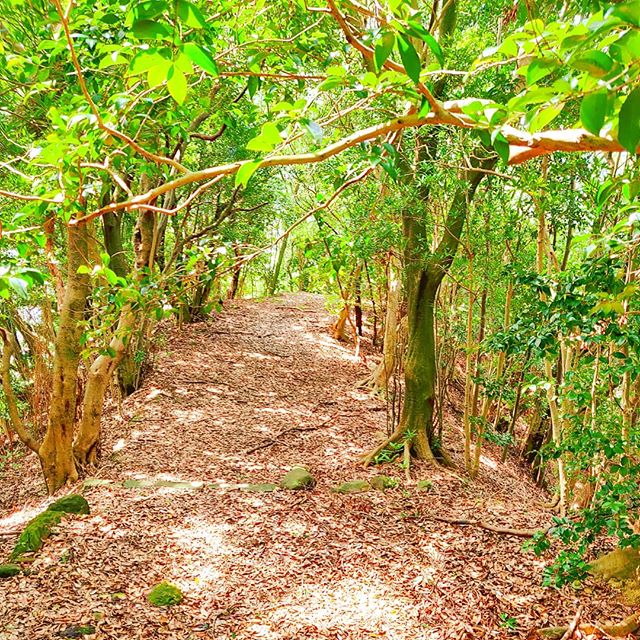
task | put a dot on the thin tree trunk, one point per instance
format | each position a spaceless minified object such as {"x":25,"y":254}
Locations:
{"x":56,"y":451}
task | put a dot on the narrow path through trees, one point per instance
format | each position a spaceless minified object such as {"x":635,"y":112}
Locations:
{"x":241,"y":399}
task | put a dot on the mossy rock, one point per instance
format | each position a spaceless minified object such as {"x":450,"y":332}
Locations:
{"x":264,"y":487}
{"x":72,"y":503}
{"x":76,"y":631}
{"x":36,"y":531}
{"x":424,"y":485}
{"x":353,"y":486}
{"x":9,"y":570}
{"x":298,"y":478}
{"x":380,"y":483}
{"x":165,"y":594}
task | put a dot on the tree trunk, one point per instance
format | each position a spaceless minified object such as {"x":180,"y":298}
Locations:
{"x":379,"y":378}
{"x":423,"y":285}
{"x":423,"y":281}
{"x":273,"y":284}
{"x":420,"y":368}
{"x":86,"y":445}
{"x":56,"y":451}
{"x":112,"y":227}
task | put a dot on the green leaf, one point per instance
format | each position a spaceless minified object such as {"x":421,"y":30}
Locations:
{"x":592,"y":111}
{"x":540,"y":68}
{"x":501,"y":147}
{"x":629,"y":12}
{"x":145,"y":60}
{"x":190,"y":14}
{"x":246,"y":171}
{"x":177,"y":84}
{"x":200,"y":57}
{"x":268,"y":138}
{"x":83,"y":269}
{"x":331,"y":82}
{"x":542,"y":118}
{"x":383,"y":49}
{"x":420,"y":32}
{"x":409,"y":57}
{"x":157,"y":75}
{"x":629,"y":122}
{"x":150,"y":30}
{"x":150,"y":9}
{"x":595,"y":63}
{"x":112,"y":59}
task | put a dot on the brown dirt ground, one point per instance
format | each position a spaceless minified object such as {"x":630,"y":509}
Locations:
{"x":283,"y":565}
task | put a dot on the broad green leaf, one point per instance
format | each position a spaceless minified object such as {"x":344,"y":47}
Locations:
{"x":157,"y":75}
{"x":409,"y":57}
{"x":593,"y":109}
{"x":331,"y":82}
{"x":246,"y":171}
{"x":268,"y":138}
{"x":150,"y":30}
{"x":200,"y":57}
{"x":383,"y":49}
{"x":183,"y":63}
{"x":540,"y":68}
{"x":177,"y":84}
{"x":629,"y":122}
{"x":629,"y":12}
{"x":149,"y":9}
{"x":542,"y":118}
{"x":112,"y":59}
{"x":190,"y":14}
{"x":595,"y":63}
{"x":145,"y":60}
{"x":501,"y":146}
{"x":420,"y":32}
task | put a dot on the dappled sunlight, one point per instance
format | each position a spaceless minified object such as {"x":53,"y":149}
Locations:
{"x":488,"y":462}
{"x":202,"y":546}
{"x":18,"y":518}
{"x":190,"y":415}
{"x":345,"y":603}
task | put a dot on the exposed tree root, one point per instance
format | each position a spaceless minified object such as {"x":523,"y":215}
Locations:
{"x":624,"y":628}
{"x":407,"y":460}
{"x":520,"y":533}
{"x":368,"y":458}
{"x":573,"y":626}
{"x":551,"y":505}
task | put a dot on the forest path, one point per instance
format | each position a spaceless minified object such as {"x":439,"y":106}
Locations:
{"x":295,"y":565}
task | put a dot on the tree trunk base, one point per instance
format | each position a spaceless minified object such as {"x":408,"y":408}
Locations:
{"x":420,"y":448}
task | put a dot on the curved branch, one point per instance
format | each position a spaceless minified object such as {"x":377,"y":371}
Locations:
{"x":12,"y":404}
{"x":523,"y":145}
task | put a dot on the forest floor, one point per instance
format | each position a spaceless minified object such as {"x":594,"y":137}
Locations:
{"x":282,"y":565}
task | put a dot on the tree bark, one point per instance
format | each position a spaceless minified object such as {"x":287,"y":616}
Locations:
{"x":56,"y":451}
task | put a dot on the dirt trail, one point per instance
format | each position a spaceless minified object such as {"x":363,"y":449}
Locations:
{"x":296,"y":565}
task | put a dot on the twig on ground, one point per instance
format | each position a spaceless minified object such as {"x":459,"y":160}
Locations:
{"x":521,"y":533}
{"x":572,"y":627}
{"x":272,"y":441}
{"x":629,"y":625}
